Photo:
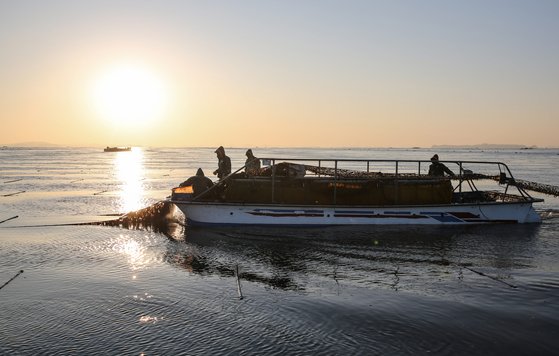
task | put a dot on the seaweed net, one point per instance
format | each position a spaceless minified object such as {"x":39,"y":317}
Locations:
{"x":523,"y":184}
{"x":157,"y":217}
{"x":348,"y":173}
{"x":537,"y":187}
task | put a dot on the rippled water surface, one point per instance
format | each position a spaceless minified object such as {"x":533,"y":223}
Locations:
{"x":489,"y":290}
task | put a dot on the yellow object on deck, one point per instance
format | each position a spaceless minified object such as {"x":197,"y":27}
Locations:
{"x":183,"y":193}
{"x":184,"y":190}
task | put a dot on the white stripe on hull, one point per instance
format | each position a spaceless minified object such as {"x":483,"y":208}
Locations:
{"x":235,"y":214}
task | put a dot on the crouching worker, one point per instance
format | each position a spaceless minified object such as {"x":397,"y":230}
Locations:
{"x":200,"y":183}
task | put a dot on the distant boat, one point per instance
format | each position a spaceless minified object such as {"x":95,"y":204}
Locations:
{"x":117,"y":149}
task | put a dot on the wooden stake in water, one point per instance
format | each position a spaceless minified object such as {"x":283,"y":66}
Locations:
{"x":238,"y":282}
{"x":15,"y":180}
{"x":11,"y":279}
{"x":488,"y":276}
{"x":8,"y":219}
{"x":11,"y":194}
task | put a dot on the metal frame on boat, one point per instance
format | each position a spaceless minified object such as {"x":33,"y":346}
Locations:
{"x":320,"y":192}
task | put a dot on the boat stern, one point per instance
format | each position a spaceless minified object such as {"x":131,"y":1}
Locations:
{"x":532,"y":216}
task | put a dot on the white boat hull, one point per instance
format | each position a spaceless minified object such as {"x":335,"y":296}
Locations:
{"x":207,"y":213}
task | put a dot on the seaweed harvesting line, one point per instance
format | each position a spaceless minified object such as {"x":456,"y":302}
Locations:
{"x":155,"y":217}
{"x":538,"y":187}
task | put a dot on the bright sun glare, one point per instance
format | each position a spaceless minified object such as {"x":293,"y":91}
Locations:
{"x":128,"y":94}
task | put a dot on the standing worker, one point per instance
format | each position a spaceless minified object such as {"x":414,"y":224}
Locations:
{"x":438,"y":169}
{"x":252,"y":164}
{"x":223,"y":164}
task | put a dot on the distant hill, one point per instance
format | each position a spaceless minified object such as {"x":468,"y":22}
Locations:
{"x":32,"y":144}
{"x":486,"y":146}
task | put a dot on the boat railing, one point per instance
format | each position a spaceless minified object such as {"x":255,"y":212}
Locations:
{"x":467,"y":173}
{"x":396,"y":170}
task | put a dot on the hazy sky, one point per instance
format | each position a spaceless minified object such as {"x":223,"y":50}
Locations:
{"x":279,"y":73}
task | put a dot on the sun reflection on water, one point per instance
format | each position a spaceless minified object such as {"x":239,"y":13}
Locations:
{"x":135,"y":252}
{"x":130,"y":172}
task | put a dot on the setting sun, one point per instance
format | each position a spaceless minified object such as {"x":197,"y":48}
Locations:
{"x":128,"y":94}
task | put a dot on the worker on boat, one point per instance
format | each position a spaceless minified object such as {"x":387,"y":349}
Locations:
{"x":200,"y":183}
{"x":252,"y":164}
{"x":224,"y":163}
{"x":438,"y":169}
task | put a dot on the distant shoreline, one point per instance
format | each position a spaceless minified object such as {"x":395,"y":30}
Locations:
{"x":45,"y":145}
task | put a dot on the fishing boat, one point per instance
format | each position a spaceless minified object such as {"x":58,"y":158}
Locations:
{"x":117,"y":149}
{"x":322,"y":192}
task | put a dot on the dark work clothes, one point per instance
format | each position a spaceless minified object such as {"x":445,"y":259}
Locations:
{"x":439,"y":169}
{"x":199,"y":184}
{"x":223,"y":167}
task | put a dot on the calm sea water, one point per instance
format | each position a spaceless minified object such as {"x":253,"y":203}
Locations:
{"x":488,"y":290}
